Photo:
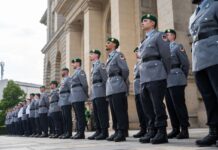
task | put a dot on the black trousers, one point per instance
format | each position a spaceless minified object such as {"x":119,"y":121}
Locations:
{"x":29,"y":125}
{"x":51,"y":125}
{"x":20,"y":127}
{"x":141,"y":114}
{"x":33,"y":126}
{"x":79,"y":108}
{"x":207,"y":82}
{"x":58,"y":122}
{"x":67,"y":119}
{"x":37,"y":126}
{"x":25,"y":127}
{"x":43,"y":119}
{"x":152,"y":94}
{"x":175,"y":101}
{"x":101,"y":114}
{"x":119,"y":111}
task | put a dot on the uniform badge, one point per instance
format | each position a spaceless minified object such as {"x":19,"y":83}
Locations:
{"x":103,"y":66}
{"x":122,"y":57}
{"x":164,"y":37}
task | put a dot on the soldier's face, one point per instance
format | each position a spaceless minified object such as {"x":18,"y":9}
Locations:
{"x":147,"y":24}
{"x":110,"y":46}
{"x":42,"y":90}
{"x":91,"y":56}
{"x":170,"y":36}
{"x":52,"y":86}
{"x":136,"y":54}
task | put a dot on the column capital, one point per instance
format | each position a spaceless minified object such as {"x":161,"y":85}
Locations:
{"x":91,"y":5}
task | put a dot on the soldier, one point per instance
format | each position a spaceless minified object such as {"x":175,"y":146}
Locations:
{"x":116,"y":90}
{"x":155,"y":56}
{"x":37,"y":121}
{"x":7,"y":121}
{"x":55,"y":110}
{"x":43,"y":111}
{"x":65,"y":104}
{"x":141,"y":115}
{"x":19,"y":116}
{"x":203,"y":27}
{"x":176,"y":83}
{"x":28,"y":118}
{"x":78,"y":96}
{"x":25,"y":119}
{"x":98,"y":97}
{"x":32,"y":114}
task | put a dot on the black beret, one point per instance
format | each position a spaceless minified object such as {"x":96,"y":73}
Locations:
{"x":32,"y":94}
{"x":54,"y":82}
{"x":170,"y":31}
{"x":151,"y":17}
{"x":114,"y":40}
{"x":96,"y":51}
{"x":42,"y":86}
{"x":65,"y":69}
{"x":76,"y":60}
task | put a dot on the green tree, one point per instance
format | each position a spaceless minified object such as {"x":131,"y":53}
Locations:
{"x":12,"y":95}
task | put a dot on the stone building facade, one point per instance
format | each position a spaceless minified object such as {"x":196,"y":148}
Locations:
{"x":76,"y":26}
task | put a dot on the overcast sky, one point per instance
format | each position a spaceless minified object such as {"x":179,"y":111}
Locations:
{"x":22,"y":38}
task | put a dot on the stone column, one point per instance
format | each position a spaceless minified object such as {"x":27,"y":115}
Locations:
{"x":125,"y":29}
{"x":73,"y":43}
{"x":93,"y":31}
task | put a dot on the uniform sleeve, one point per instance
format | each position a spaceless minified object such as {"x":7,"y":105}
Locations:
{"x":46,"y":99}
{"x":122,"y":64}
{"x":69,"y":83}
{"x":164,"y":50}
{"x":103,"y":73}
{"x":183,"y":58}
{"x":83,"y":81}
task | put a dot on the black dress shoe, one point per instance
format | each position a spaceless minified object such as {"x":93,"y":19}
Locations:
{"x":66,"y":136}
{"x":97,"y":133}
{"x":102,"y":136}
{"x":160,"y":137}
{"x":173,"y":133}
{"x":44,"y":135}
{"x":120,"y":137}
{"x":56,"y":136}
{"x":210,"y":139}
{"x":147,"y":137}
{"x":141,"y":133}
{"x":111,"y":138}
{"x":79,"y":136}
{"x":60,"y":137}
{"x":183,"y":134}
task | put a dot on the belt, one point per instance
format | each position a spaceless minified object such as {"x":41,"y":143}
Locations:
{"x":75,"y":85}
{"x":42,"y":106}
{"x":114,"y":74}
{"x":137,"y":77}
{"x":32,"y":109}
{"x":62,"y":92}
{"x":96,"y":81}
{"x":204,"y":35}
{"x":175,"y":66}
{"x":53,"y":102}
{"x":150,"y":58}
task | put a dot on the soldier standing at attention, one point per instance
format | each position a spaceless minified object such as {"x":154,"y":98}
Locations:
{"x":55,"y":110}
{"x":116,"y":90}
{"x":37,"y":121}
{"x":78,"y":96}
{"x":203,"y":27}
{"x":65,"y":104}
{"x":176,"y":83}
{"x":155,"y":56}
{"x":43,"y":111}
{"x":32,"y":114}
{"x":141,"y":114}
{"x":98,"y":97}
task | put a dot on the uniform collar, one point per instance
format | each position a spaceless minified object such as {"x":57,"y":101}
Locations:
{"x":96,"y":62}
{"x":111,"y":54}
{"x":150,"y":33}
{"x":172,"y":44}
{"x":203,"y":2}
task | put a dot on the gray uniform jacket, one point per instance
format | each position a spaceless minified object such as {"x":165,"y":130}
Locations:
{"x":179,"y":66}
{"x":24,"y":115}
{"x":118,"y":73}
{"x":157,"y":48}
{"x":36,"y":109}
{"x":203,"y":28}
{"x":64,"y":92}
{"x":7,"y":119}
{"x":98,"y":78}
{"x":16,"y":115}
{"x":44,"y":103}
{"x":32,"y":109}
{"x":53,"y":101}
{"x":136,"y":81}
{"x":79,"y":86}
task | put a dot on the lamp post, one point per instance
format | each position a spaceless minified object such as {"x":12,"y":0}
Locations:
{"x":2,"y":65}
